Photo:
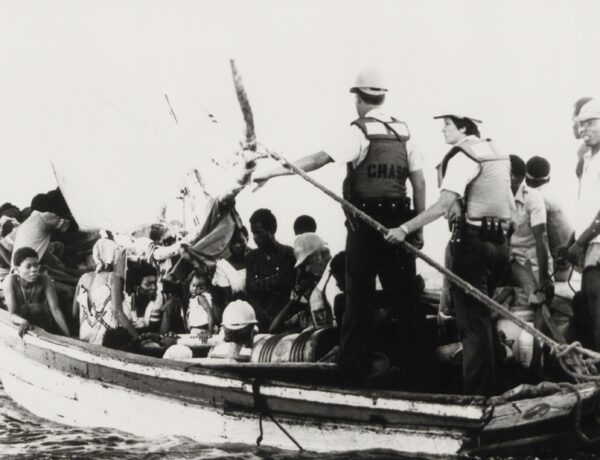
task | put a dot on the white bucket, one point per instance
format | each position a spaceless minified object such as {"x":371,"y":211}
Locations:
{"x":524,"y":348}
{"x":522,"y":341}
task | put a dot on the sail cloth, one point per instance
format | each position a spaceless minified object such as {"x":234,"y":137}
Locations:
{"x":119,"y":161}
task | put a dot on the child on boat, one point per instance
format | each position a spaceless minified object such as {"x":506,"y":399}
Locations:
{"x":200,"y":317}
{"x":31,"y":297}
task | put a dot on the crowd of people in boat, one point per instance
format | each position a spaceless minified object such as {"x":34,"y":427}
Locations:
{"x":508,"y":229}
{"x":125,"y":296}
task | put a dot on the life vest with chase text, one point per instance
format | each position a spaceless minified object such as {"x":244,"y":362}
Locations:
{"x":383,"y":172}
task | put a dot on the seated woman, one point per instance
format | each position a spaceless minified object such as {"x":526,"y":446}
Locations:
{"x":239,"y":327}
{"x":200,"y":317}
{"x":99,"y":302}
{"x":30,"y":295}
{"x":164,"y":315}
{"x":230,"y":274}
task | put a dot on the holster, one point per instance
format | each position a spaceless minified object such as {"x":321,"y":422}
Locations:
{"x":495,"y":230}
{"x":457,"y":227}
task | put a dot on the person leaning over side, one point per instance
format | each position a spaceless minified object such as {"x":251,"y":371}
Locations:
{"x":530,"y":261}
{"x":474,"y":172}
{"x":380,"y":157}
{"x":585,"y":251}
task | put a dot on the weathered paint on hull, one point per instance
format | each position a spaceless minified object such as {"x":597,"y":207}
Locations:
{"x":76,"y":383}
{"x":73,"y":400}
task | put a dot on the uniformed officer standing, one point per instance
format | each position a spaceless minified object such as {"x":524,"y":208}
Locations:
{"x":380,"y":157}
{"x":475,"y":190}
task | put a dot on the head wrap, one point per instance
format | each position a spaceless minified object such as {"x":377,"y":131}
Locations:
{"x":105,"y":253}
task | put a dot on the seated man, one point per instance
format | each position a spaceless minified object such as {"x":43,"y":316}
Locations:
{"x":141,"y":288}
{"x":31,"y":297}
{"x":36,"y":232}
{"x":559,"y":228}
{"x":239,"y":323}
{"x":313,"y":259}
{"x":269,"y":269}
{"x":529,"y":253}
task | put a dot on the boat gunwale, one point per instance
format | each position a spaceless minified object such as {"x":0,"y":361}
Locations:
{"x":190,"y":369}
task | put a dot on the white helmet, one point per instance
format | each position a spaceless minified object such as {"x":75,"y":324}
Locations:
{"x":238,"y":314}
{"x":369,"y":81}
{"x":178,"y":353}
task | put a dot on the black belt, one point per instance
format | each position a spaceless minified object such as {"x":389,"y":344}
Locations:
{"x":386,"y":205}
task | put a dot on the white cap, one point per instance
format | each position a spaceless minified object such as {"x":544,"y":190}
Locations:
{"x":305,"y":245}
{"x":238,"y":314}
{"x":457,"y":115}
{"x":589,"y":111}
{"x":370,"y":81}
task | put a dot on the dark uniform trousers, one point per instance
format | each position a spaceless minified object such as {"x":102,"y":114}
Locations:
{"x":482,"y":264}
{"x":369,"y":255}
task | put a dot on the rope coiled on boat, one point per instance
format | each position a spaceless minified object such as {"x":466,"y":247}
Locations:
{"x":577,"y":412}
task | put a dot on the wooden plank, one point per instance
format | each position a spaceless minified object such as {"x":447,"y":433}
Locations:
{"x":519,"y":414}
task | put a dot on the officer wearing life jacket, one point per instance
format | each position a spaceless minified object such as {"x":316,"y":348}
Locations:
{"x":476,"y":195}
{"x":380,"y":158}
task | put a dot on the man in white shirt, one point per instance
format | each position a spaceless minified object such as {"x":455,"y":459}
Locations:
{"x":585,"y":252}
{"x":529,"y":251}
{"x":558,"y":225}
{"x":380,"y":157}
{"x":477,"y":178}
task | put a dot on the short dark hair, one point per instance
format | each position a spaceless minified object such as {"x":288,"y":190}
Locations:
{"x":238,"y":232}
{"x":200,"y":275}
{"x":517,"y":166}
{"x":136,"y":272}
{"x":10,"y":210}
{"x":241,"y":336}
{"x":157,"y":231}
{"x":370,"y":98}
{"x":265,"y":218}
{"x":7,"y":228}
{"x":24,"y":253}
{"x":338,"y":264}
{"x":470,"y":126}
{"x":538,"y":167}
{"x":41,"y":203}
{"x":304,"y":224}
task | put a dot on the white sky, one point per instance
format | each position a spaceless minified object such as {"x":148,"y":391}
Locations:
{"x":84,"y":82}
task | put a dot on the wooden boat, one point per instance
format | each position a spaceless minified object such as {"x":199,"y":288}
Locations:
{"x":76,"y":383}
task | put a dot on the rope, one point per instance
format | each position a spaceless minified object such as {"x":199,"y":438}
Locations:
{"x":261,"y":407}
{"x":577,"y":415}
{"x":452,"y":277}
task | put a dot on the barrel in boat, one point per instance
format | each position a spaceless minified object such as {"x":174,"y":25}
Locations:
{"x":308,"y":346}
